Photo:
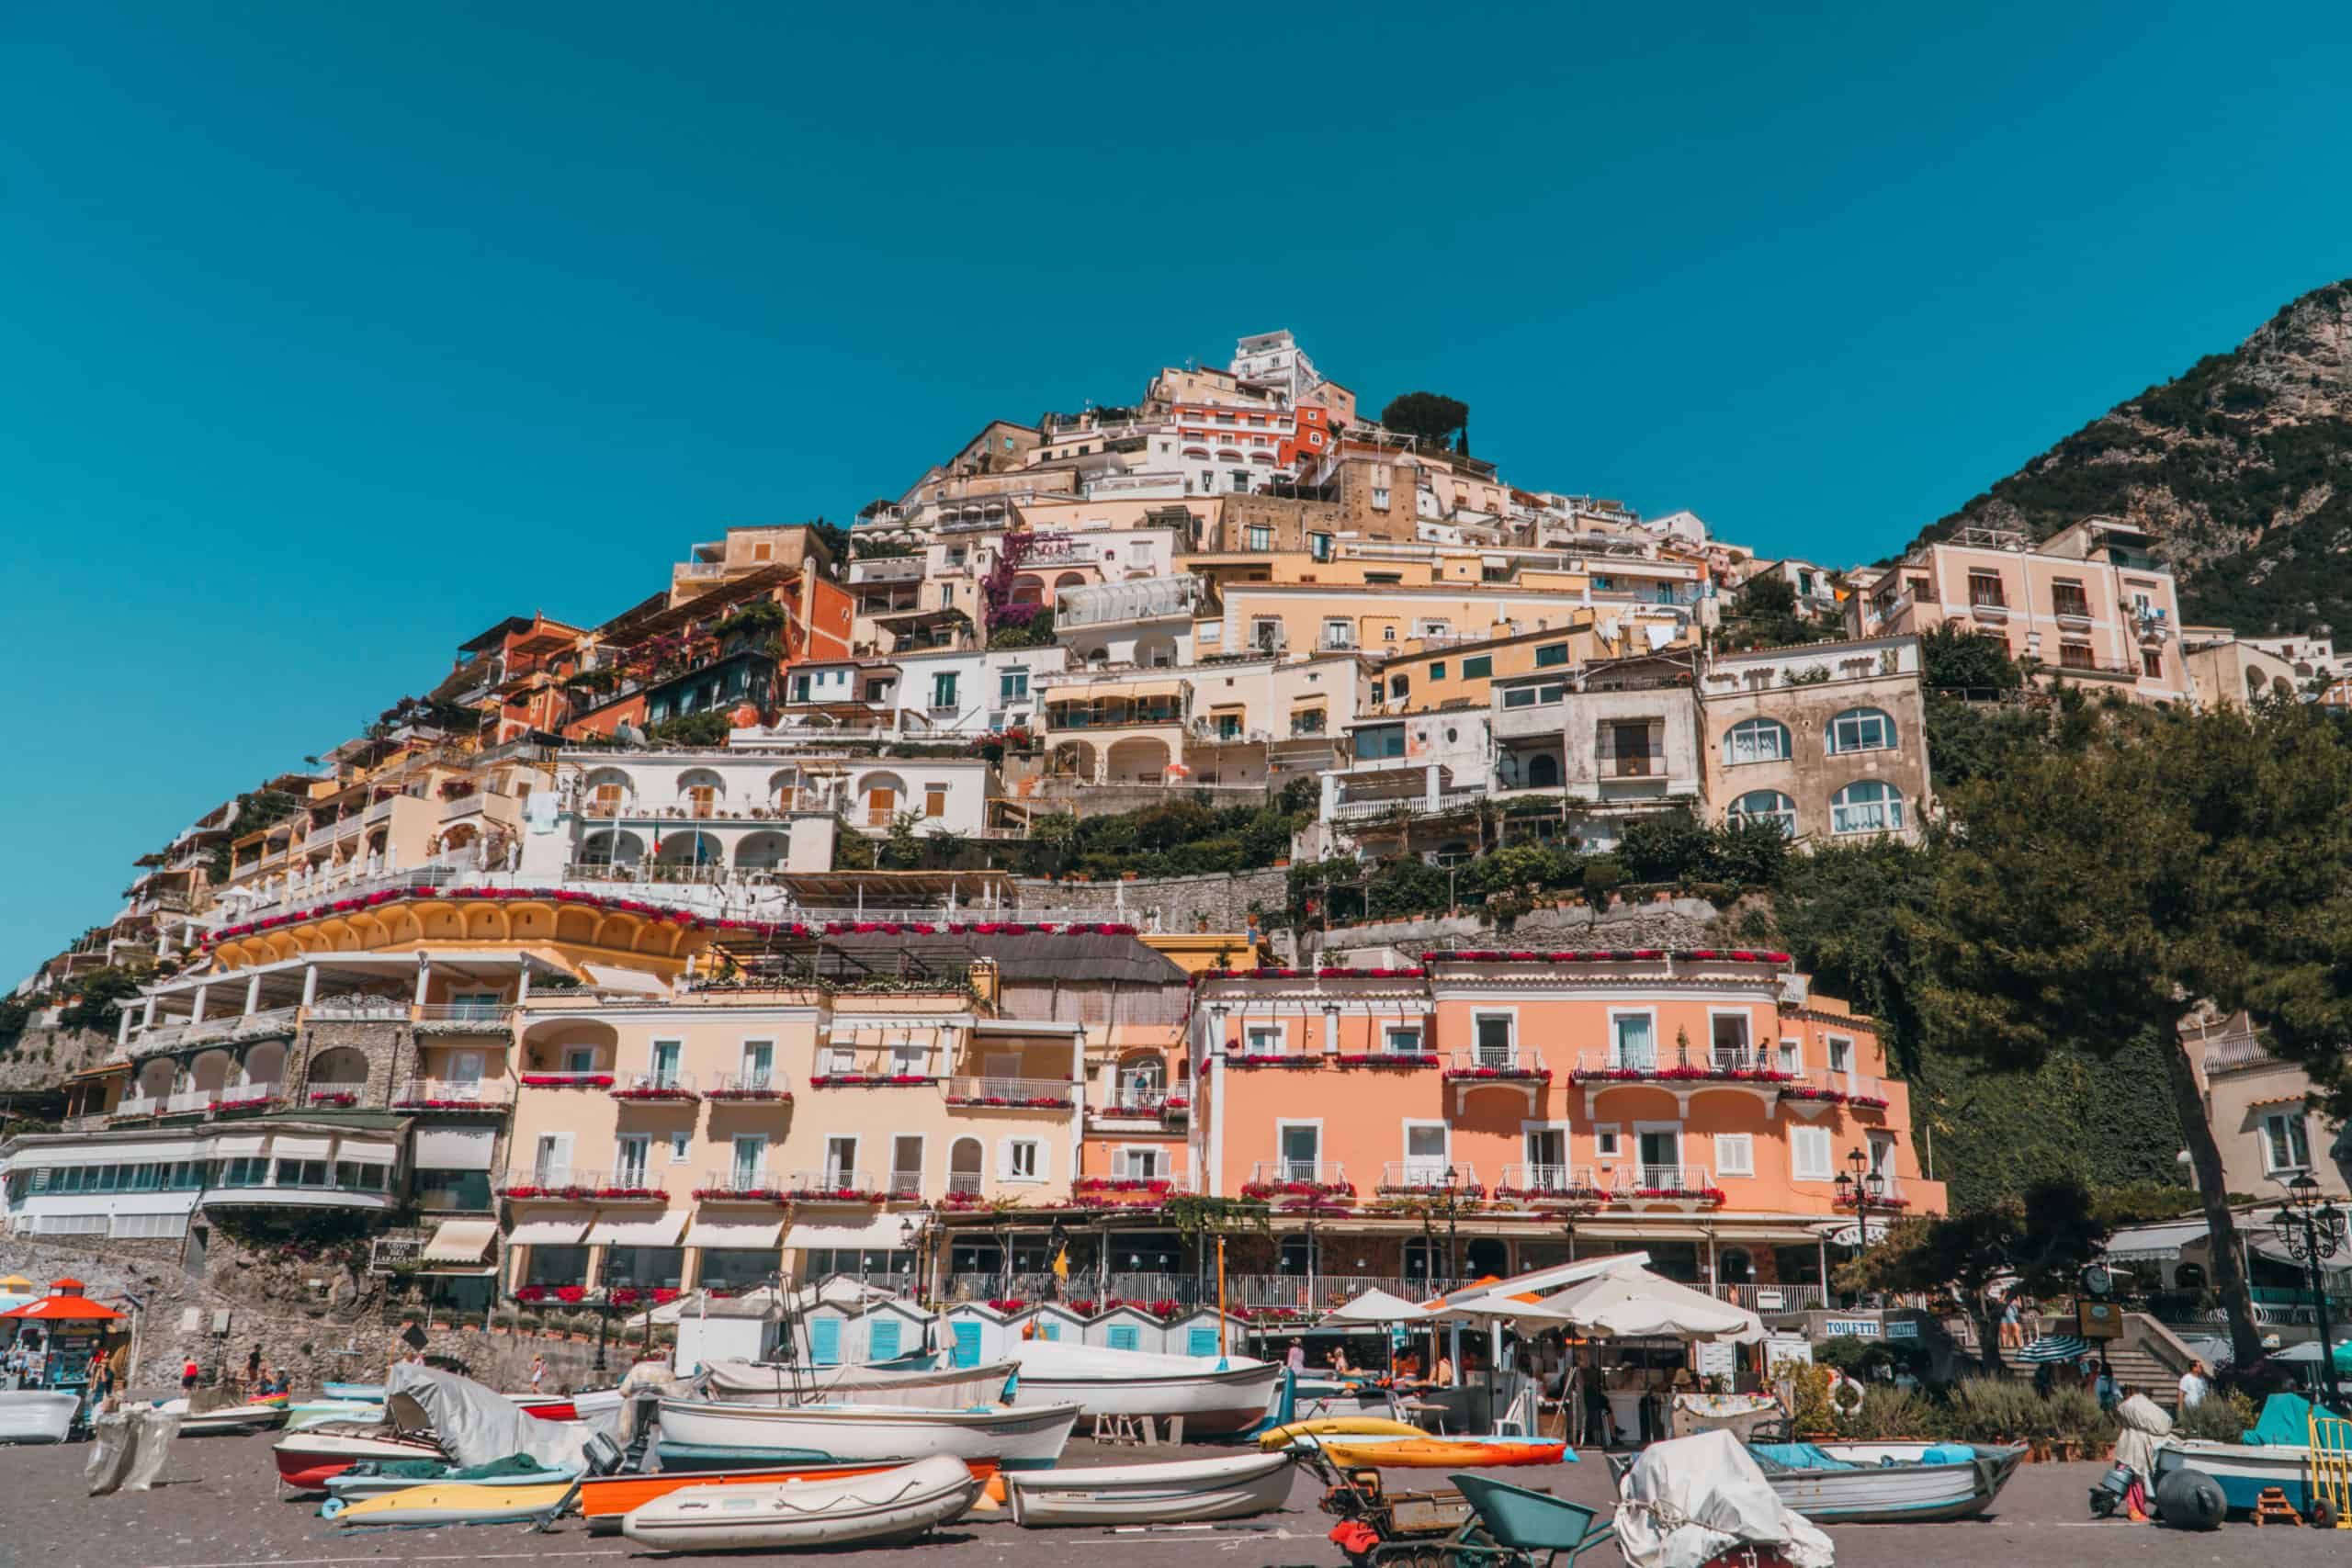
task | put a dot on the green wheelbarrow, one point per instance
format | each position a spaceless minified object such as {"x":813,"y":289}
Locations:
{"x":1510,"y":1527}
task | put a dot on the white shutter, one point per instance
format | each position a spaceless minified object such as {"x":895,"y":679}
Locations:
{"x":1809,"y":1152}
{"x":455,"y":1148}
{"x":1734,"y":1153}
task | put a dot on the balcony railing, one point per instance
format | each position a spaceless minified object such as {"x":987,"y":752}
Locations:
{"x":1724,"y":1062}
{"x":245,"y":1096}
{"x":669,"y":1084}
{"x":750,"y":1086}
{"x":2236,"y":1053}
{"x":455,"y":1094}
{"x":1665,"y":1180}
{"x":740,"y":1184}
{"x":188,"y":1102}
{"x":1429,"y":1176}
{"x":447,"y":1017}
{"x":140,"y":1105}
{"x":385,"y":1010}
{"x":1540,"y":1181}
{"x":1298,"y":1172}
{"x":1132,"y":1101}
{"x":847,"y":1184}
{"x":1042,"y":1094}
{"x":1771,"y":1298}
{"x":628,"y":1183}
{"x":1504,"y":1062}
{"x":966,"y":1182}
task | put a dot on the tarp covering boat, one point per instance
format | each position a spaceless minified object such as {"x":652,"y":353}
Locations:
{"x":1691,"y":1500}
{"x":478,"y":1426}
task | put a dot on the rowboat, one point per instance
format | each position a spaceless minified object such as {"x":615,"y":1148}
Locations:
{"x":451,"y":1503}
{"x":305,"y":1459}
{"x":1887,"y":1482}
{"x":1187,"y":1492}
{"x":1215,"y":1395}
{"x":352,"y":1486}
{"x":1426,"y":1452}
{"x":1016,"y":1438}
{"x":37,"y":1415}
{"x":592,"y":1406}
{"x":702,"y":1458}
{"x":605,"y":1498}
{"x":891,"y":1505}
{"x":366,"y":1393}
{"x":948,"y":1388}
{"x":254,"y":1416}
{"x":1339,"y":1426}
{"x":318,"y":1412}
{"x":2242,"y":1469}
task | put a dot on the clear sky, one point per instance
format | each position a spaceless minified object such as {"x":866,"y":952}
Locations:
{"x":331,"y":334}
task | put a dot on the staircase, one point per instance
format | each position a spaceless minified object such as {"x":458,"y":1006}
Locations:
{"x":2147,"y":1359}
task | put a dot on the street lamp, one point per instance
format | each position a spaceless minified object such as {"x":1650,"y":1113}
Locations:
{"x":2313,"y":1230}
{"x":1859,"y":1186}
{"x":1452,"y":1242}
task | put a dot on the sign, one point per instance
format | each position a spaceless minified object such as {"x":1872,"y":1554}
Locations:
{"x":1779,"y":1352}
{"x":1854,"y":1327}
{"x":2099,"y":1320}
{"x":1852,"y":1235}
{"x":1903,"y":1328}
{"x":1717,"y":1358}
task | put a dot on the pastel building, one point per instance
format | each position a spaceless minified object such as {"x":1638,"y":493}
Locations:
{"x":1827,"y":740}
{"x":1489,"y":1112}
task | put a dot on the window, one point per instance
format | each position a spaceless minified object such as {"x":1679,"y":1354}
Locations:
{"x":1306,"y":721}
{"x":1985,"y":590}
{"x":906,"y":1163}
{"x":1302,"y":1150}
{"x":1767,"y":805}
{"x":1480,"y":667}
{"x":1632,"y":1040}
{"x":1841,"y":1055}
{"x":2286,"y":1143}
{"x":1734,"y":1153}
{"x":2152,"y":663}
{"x":1402,"y":1039}
{"x":748,"y":1169}
{"x":1550,"y":654}
{"x":1809,"y":1159}
{"x":1140,"y":1163}
{"x":1424,"y":1152}
{"x":2068,"y":598}
{"x":934,"y":800}
{"x":1263,"y":1040}
{"x":1605,"y":1138}
{"x":630,"y":1157}
{"x":580,"y":1058}
{"x":1387,"y":740}
{"x":1494,"y":1037}
{"x":681,"y":1145}
{"x":1860,"y":729}
{"x":1319,"y":547}
{"x":1013,"y":685}
{"x":759,"y":1063}
{"x":1791,"y":1057}
{"x":840,"y":1162}
{"x":1380,"y":498}
{"x":1866,"y":805}
{"x":1024,"y":1159}
{"x":1437,"y":670}
{"x":1260,"y":538}
{"x":943,"y":689}
{"x":2075,"y":656}
{"x":1267,"y":636}
{"x":1399,"y":685}
{"x":664,"y":1062}
{"x":1547,"y":1155}
{"x":1756,"y":740}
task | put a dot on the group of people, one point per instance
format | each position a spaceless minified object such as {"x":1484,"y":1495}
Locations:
{"x":25,"y":1361}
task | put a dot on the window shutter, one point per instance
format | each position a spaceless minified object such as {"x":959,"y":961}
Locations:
{"x":1810,"y":1149}
{"x":1200,"y":1341}
{"x":882,"y":1339}
{"x":1124,"y":1337}
{"x":967,"y":1345}
{"x":1734,"y":1153}
{"x":825,"y":1341}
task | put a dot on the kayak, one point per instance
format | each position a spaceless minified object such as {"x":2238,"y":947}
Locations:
{"x":451,"y":1503}
{"x":1340,"y":1426}
{"x":722,"y":1456}
{"x":605,"y":1498}
{"x":353,"y":1488}
{"x":1445,"y":1453}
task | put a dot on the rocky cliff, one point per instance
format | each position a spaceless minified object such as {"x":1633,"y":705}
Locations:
{"x":2242,"y":465}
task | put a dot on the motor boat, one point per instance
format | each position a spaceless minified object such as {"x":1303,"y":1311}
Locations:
{"x":592,"y":1406}
{"x":931,"y":1387}
{"x":605,"y":1498}
{"x":891,"y":1506}
{"x":1016,"y":1436}
{"x":252,"y":1417}
{"x":1186,"y":1492}
{"x":37,"y":1415}
{"x":1216,"y":1395}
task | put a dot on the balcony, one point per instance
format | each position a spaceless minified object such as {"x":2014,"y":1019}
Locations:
{"x":1771,"y":1298}
{"x":246,"y":1096}
{"x":2237,"y":1053}
{"x":1430,"y":1177}
{"x":1485,"y":1064}
{"x":1116,"y":1189}
{"x":139,"y":1107}
{"x":1549,"y":1184}
{"x":1311,"y":1179}
{"x":465,"y":1018}
{"x":1014,"y":1094}
{"x":1690,"y":1185}
{"x":664,"y":1088}
{"x":187,"y":1102}
{"x":361,"y":1010}
{"x":1724,"y":1067}
{"x":588,"y":1080}
{"x":630,"y":1184}
{"x":1132,"y":1103}
{"x":740,"y":1184}
{"x":843,"y":1184}
{"x":749,"y":1088}
{"x":1403,"y":808}
{"x":455,"y":1094}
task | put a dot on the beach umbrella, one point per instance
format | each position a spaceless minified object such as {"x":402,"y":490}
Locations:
{"x":1377,"y":1306}
{"x":1634,"y":1303}
{"x":2056,"y":1347}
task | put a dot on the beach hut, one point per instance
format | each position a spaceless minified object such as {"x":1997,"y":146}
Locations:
{"x":889,"y":1329}
{"x":974,"y":1333}
{"x":1126,"y":1328}
{"x":1195,"y":1333}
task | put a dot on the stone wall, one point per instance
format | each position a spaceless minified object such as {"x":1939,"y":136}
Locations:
{"x":1677,"y":922}
{"x":1184,"y":904}
{"x":43,"y":1058}
{"x":381,"y":1042}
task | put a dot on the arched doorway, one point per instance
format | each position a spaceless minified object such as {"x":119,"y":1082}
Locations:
{"x":1075,"y":760}
{"x":1544,"y":771}
{"x":701,"y":792}
{"x":883,"y":796}
{"x":690,"y":850}
{"x":1137,"y":761}
{"x":762,"y":852}
{"x":1143,"y":1081}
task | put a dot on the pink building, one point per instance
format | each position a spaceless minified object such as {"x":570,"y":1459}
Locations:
{"x":2091,"y":604}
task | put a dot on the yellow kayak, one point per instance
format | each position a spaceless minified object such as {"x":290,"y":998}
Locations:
{"x":1340,"y":1426}
{"x":453,"y":1503}
{"x":1444,"y":1454}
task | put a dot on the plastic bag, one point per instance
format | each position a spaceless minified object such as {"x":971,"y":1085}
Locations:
{"x":158,"y":1431}
{"x":115,"y":1437}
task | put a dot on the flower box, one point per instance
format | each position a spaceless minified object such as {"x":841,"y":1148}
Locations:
{"x":1679,"y":1074}
{"x":1469,"y":1192}
{"x":1128,"y":1184}
{"x":963,"y":1202}
{"x":410,"y":1103}
{"x":1174,"y":1107}
{"x":666,"y":1092}
{"x":641,"y":1194}
{"x":1807,"y":1093}
{"x":1506,"y":1075}
{"x":1298,"y":1190}
{"x":1549,"y":1194}
{"x":1712,"y":1196}
{"x":1389,"y":1060}
{"x":567,"y":1080}
{"x":1867,"y":1101}
{"x":740,"y":1195}
{"x":1008,"y":1102}
{"x":841,"y":1195}
{"x":869,"y":1080}
{"x":1264,"y":1060}
{"x":338,"y":1097}
{"x":1007,"y":1305}
{"x":1875,"y":1203}
{"x":775,"y":1096}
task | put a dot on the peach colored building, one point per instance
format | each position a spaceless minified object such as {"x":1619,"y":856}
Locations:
{"x":1488,"y":1112}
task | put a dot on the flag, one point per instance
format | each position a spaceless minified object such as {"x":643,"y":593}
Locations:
{"x":1061,"y":1265}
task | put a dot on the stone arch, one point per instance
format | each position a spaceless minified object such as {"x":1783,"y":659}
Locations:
{"x":1028,"y":589}
{"x":612,"y":847}
{"x":210,"y":1073}
{"x":156,"y":1077}
{"x":1136,"y":759}
{"x":690,"y":848}
{"x":1077,"y":759}
{"x":1069,"y":579}
{"x":264,"y":1063}
{"x":339,"y":1066}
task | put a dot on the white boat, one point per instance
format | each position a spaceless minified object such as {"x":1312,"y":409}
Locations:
{"x":220,"y":1419}
{"x":1885,"y":1483}
{"x":1216,"y":1395}
{"x":37,"y":1415}
{"x":318,"y":1412}
{"x":2242,"y":1469}
{"x":1026,"y":1437}
{"x":592,"y":1406}
{"x":1187,"y":1492}
{"x":867,"y":1510}
{"x":948,"y":1388}
{"x":364,"y":1392}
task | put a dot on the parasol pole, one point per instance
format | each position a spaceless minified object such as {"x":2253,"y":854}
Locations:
{"x":1220,"y":1303}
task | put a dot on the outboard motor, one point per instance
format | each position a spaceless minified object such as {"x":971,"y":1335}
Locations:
{"x":2108,"y":1494}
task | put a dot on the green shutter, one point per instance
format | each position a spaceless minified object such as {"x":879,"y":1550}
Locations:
{"x":1478,"y":669}
{"x":967,"y":1346}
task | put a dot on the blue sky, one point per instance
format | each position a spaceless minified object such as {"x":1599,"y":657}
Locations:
{"x":332,"y":334}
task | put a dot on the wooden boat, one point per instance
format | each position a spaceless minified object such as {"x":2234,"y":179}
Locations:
{"x":605,"y":1498}
{"x":1186,"y":1492}
{"x":366,"y":1393}
{"x":305,"y":1459}
{"x":451,"y":1503}
{"x":256,"y":1416}
{"x":704,"y":1458}
{"x":1216,"y":1400}
{"x":1887,"y":1482}
{"x":1020,"y":1438}
{"x":1339,"y":1426}
{"x":1426,"y":1452}
{"x":2242,"y":1469}
{"x":352,"y":1486}
{"x":37,"y":1415}
{"x":930,"y":1387}
{"x":891,"y":1505}
{"x":592,"y":1406}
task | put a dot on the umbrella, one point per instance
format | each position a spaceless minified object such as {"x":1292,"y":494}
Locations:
{"x":2056,"y":1347}
{"x":1634,"y":1303}
{"x":1377,"y":1306}
{"x":17,"y":1285}
{"x":65,"y":1304}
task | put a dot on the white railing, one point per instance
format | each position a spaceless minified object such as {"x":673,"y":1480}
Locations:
{"x":578,"y":1179}
{"x":1771,"y":1298}
{"x":188,"y":1100}
{"x":1285,"y":1172}
{"x":378,"y":810}
{"x":1128,"y":1101}
{"x":1846,"y":1083}
{"x":1474,"y":1059}
{"x":237,"y":1095}
{"x":966,"y":1181}
{"x":740,"y":1181}
{"x":362,"y":1009}
{"x":844,"y":1178}
{"x":495,"y":1017}
{"x":1017,"y":1092}
{"x":1567,"y":1181}
{"x":748,"y":1084}
{"x":486,"y":1092}
{"x":1692,"y":1180}
{"x":1427,"y":1176}
{"x":2235,"y":1053}
{"x":1403,"y":805}
{"x":332,"y":831}
{"x":141,"y":1105}
{"x":668,"y":1082}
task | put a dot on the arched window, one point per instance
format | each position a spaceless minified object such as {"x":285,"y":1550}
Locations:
{"x":1143,"y":1081}
{"x":1767,"y":805}
{"x":1735,"y":1267}
{"x":1860,"y":729}
{"x":1866,"y":805}
{"x":963,"y":1166}
{"x":1544,"y":771}
{"x":1756,"y":740}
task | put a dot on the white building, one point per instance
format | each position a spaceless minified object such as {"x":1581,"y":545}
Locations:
{"x":973,"y":691}
{"x":1146,"y":624}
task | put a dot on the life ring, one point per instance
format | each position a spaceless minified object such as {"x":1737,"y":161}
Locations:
{"x":1840,"y":1387}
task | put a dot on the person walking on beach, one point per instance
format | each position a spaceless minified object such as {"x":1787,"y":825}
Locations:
{"x":189,"y":1373}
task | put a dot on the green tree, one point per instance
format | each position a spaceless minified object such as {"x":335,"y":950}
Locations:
{"x":709,"y":727}
{"x":1432,"y":416}
{"x":1665,"y":846}
{"x":96,"y":991}
{"x":1952,"y":658}
{"x":2086,"y":897}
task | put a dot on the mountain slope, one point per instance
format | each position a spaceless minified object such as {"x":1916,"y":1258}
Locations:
{"x":2242,"y":465}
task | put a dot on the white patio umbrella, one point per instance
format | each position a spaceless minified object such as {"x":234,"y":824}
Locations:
{"x":1377,"y":1306}
{"x":1634,"y":1303}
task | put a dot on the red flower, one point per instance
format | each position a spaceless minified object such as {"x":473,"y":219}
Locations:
{"x":1007,"y":1305}
{"x":571,"y":1296}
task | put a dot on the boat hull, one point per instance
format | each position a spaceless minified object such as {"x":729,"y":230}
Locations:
{"x":352,"y":1488}
{"x":1445,"y":1453}
{"x":455,"y":1502}
{"x":1017,"y":1438}
{"x":226,"y":1418}
{"x":937,"y":1388}
{"x":2242,"y":1470}
{"x":1188,"y":1492}
{"x":37,"y":1415}
{"x":1213,"y":1400}
{"x":1905,"y":1492}
{"x":305,"y":1461}
{"x":605,"y":1498}
{"x":1340,"y":1426}
{"x":896,"y":1505}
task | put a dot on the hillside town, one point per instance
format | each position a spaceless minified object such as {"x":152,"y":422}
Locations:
{"x":735,"y":940}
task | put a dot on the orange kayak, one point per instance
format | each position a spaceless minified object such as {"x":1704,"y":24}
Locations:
{"x":605,"y":1498}
{"x":1439,"y":1453}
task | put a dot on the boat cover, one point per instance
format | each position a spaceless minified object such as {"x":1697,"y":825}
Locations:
{"x":2285,"y":1422}
{"x":2140,"y":1425}
{"x":1795,"y":1456}
{"x":1689,"y":1500}
{"x":478,"y":1426}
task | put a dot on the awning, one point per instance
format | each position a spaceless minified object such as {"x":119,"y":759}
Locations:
{"x":234,"y":1145}
{"x":610,"y":977}
{"x":2275,"y":1249}
{"x":454,"y":1149}
{"x":2160,"y":1243}
{"x":884,"y":1232}
{"x":658,"y":1230}
{"x":285,"y":1148}
{"x":548,"y":1232}
{"x":366,"y":1153}
{"x":461,"y":1241}
{"x":759,"y":1234}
